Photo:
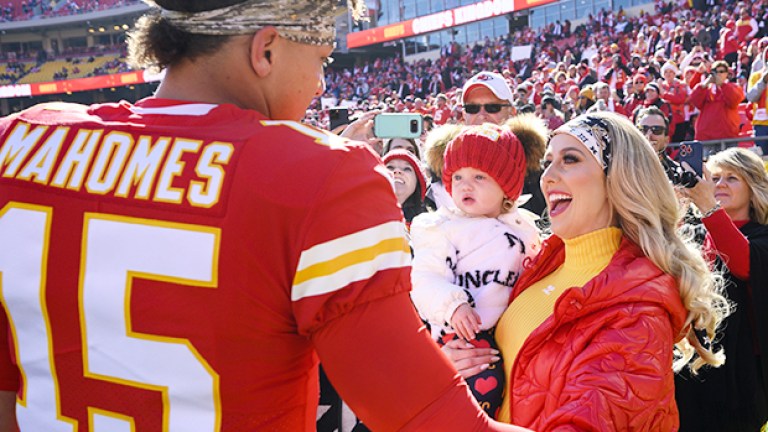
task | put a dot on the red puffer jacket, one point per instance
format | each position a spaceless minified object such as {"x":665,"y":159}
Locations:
{"x":603,"y":360}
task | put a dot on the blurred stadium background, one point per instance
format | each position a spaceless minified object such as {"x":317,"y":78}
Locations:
{"x":74,"y":50}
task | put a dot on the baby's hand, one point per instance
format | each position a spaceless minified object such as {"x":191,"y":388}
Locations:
{"x":466,"y":322}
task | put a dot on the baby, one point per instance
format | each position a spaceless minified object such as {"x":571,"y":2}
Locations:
{"x":468,"y":258}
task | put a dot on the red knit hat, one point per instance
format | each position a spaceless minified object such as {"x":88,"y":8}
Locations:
{"x":492,"y":149}
{"x":415,"y":164}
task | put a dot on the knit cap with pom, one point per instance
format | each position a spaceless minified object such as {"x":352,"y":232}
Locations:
{"x":492,"y":149}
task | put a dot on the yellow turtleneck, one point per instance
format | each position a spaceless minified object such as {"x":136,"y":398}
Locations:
{"x":585,"y":257}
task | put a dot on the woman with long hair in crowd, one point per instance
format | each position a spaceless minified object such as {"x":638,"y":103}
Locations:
{"x":615,"y":302}
{"x":733,"y":197}
{"x":409,"y":180}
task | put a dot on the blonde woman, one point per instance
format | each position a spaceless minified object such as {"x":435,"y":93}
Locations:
{"x":615,"y":302}
{"x":733,"y":197}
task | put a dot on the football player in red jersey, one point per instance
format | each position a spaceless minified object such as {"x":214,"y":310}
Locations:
{"x":182,"y":263}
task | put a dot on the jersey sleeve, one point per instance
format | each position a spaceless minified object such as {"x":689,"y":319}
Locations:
{"x":9,"y":373}
{"x":353,"y":249}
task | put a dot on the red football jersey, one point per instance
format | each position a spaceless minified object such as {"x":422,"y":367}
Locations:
{"x":165,"y":265}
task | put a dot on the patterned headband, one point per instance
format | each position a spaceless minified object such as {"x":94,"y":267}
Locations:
{"x":593,"y":133}
{"x":304,"y":21}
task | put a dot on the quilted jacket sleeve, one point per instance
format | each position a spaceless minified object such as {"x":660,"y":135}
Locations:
{"x":433,"y":294}
{"x":621,"y":379}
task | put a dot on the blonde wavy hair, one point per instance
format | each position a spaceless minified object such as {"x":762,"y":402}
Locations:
{"x":750,"y":168}
{"x":648,"y":213}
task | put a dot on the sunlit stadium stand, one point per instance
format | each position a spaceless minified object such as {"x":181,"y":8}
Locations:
{"x":79,"y":67}
{"x":16,"y":70}
{"x":20,"y":10}
{"x":44,"y":72}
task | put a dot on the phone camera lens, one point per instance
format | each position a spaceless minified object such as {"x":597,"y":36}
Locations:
{"x":414,"y":126}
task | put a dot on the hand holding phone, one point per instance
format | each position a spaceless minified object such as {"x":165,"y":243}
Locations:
{"x":397,"y":125}
{"x":692,"y":154}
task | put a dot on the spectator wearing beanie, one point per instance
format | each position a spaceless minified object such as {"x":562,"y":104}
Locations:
{"x":467,"y":259}
{"x":718,"y":102}
{"x":636,"y":93}
{"x":653,"y":99}
{"x":410,"y":182}
{"x":586,"y":100}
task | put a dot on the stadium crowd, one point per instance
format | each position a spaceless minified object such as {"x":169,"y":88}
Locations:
{"x":612,"y":62}
{"x":33,"y":9}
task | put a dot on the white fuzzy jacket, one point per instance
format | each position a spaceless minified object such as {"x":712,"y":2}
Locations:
{"x":455,"y":254}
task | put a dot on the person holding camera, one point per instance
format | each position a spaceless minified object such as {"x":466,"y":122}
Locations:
{"x":732,"y":196}
{"x":718,"y":102}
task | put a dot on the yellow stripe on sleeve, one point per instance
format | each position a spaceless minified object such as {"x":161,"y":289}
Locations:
{"x":332,"y":265}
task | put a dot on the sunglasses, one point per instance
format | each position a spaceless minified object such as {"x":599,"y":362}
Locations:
{"x":656,"y":130}
{"x":489,"y":108}
{"x":721,"y":71}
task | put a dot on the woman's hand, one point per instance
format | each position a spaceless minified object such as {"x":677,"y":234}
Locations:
{"x":468,"y":359}
{"x":703,"y":194}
